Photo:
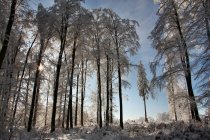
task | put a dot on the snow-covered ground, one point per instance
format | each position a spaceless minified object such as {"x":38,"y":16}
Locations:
{"x":132,"y":131}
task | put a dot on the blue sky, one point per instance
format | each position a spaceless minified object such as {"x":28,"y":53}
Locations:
{"x":144,"y":11}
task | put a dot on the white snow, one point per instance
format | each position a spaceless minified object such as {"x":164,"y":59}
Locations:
{"x":138,"y":131}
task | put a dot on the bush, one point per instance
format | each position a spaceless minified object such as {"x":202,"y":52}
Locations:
{"x":163,"y":117}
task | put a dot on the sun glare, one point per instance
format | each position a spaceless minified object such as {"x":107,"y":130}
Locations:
{"x":41,"y":67}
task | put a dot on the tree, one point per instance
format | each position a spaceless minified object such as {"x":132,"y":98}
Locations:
{"x":125,"y":39}
{"x":111,"y":92}
{"x":97,"y":40}
{"x":169,"y":37}
{"x":46,"y":110}
{"x":76,"y":106}
{"x":65,"y":97}
{"x":83,"y":91}
{"x":8,"y":31}
{"x":107,"y":90}
{"x":143,"y":86}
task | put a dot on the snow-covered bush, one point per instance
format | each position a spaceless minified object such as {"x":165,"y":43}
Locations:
{"x":163,"y":117}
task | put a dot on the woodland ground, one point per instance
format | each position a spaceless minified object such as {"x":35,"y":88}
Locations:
{"x":132,"y":131}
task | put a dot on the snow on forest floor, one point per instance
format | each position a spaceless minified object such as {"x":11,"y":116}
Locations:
{"x":150,"y":131}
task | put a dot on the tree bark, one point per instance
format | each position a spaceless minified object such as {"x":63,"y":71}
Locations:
{"x":60,"y":104}
{"x":76,"y":108}
{"x":99,"y":85}
{"x":36,"y":103}
{"x":97,"y":110}
{"x":8,"y":31}
{"x":174,"y":105}
{"x":145,"y":109}
{"x":26,"y":98}
{"x":107,"y":91}
{"x":111,"y":93}
{"x":84,"y":89}
{"x":64,"y":108}
{"x":46,"y":110}
{"x":119,"y":80}
{"x":82,"y":93}
{"x":70,"y":111}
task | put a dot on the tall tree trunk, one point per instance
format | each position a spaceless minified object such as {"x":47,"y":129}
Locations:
{"x":97,"y":110}
{"x":119,"y":80}
{"x":82,"y":93}
{"x":70,"y":111}
{"x":26,"y":98}
{"x":36,"y":103}
{"x":107,"y":90}
{"x":85,"y":77}
{"x":8,"y":31}
{"x":174,"y":102}
{"x":46,"y":109}
{"x":145,"y":109}
{"x":55,"y":92}
{"x":186,"y":66}
{"x":35,"y":86}
{"x":76,"y":108}
{"x":99,"y":86}
{"x":60,"y":104}
{"x":58,"y":68}
{"x":64,"y":108}
{"x":84,"y":88}
{"x":111,"y":93}
{"x":206,"y":5}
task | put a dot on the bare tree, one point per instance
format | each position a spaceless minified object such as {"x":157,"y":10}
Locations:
{"x":8,"y":31}
{"x":143,"y":86}
{"x":125,"y":39}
